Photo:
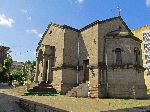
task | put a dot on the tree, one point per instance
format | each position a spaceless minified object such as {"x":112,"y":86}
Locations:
{"x":5,"y":69}
{"x":28,"y":69}
{"x":22,"y":74}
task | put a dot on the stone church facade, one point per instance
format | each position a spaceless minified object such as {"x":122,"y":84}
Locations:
{"x":102,"y":59}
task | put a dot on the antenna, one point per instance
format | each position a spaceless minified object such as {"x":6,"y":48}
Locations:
{"x":119,"y":10}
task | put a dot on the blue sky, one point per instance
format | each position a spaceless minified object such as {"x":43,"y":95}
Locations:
{"x":22,"y":22}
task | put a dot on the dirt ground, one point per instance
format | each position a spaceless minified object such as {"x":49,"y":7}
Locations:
{"x":83,"y":104}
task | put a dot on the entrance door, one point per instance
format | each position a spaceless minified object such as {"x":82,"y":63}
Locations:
{"x":86,"y":70}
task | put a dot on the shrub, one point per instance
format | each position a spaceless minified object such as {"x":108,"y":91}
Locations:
{"x":15,"y":83}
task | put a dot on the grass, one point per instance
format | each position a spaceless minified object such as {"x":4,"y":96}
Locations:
{"x":40,"y":94}
{"x":79,"y":104}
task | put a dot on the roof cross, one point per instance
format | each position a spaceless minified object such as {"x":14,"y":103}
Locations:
{"x":119,"y":10}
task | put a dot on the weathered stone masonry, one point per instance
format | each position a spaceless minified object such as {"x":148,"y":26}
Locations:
{"x":103,"y":59}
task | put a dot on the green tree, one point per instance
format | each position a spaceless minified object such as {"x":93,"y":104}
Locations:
{"x":7,"y":63}
{"x":5,"y":69}
{"x":28,"y":69}
{"x":18,"y":75}
{"x":24,"y":73}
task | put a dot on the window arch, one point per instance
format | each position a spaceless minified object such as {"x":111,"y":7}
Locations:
{"x":118,"y":56}
{"x":137,"y":55}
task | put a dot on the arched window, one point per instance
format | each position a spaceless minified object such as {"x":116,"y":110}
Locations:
{"x":118,"y":56}
{"x":137,"y":55}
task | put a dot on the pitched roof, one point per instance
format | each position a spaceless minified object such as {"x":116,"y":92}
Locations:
{"x":106,"y":20}
{"x":43,"y":36}
{"x":84,"y":28}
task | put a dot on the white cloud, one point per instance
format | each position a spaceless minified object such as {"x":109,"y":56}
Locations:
{"x":148,"y":3}
{"x":24,"y":11}
{"x":4,"y":21}
{"x":35,"y":32}
{"x":29,"y":18}
{"x":76,"y":1}
{"x":79,"y":1}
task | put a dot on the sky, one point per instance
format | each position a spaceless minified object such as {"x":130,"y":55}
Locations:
{"x":22,"y":22}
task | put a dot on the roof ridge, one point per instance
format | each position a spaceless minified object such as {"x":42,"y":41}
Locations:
{"x":66,"y":26}
{"x":87,"y":26}
{"x":44,"y":35}
{"x":98,"y":21}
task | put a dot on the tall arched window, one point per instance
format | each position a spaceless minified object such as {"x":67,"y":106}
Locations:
{"x":118,"y":56}
{"x":137,"y":55}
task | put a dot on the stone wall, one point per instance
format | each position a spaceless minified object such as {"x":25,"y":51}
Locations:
{"x":70,"y":60}
{"x":51,"y":38}
{"x":126,"y":83}
{"x":57,"y":79}
{"x":111,"y":80}
{"x":127,"y":46}
{"x":102,"y":32}
{"x":30,"y":106}
{"x":65,"y":41}
{"x":89,"y":50}
{"x":70,"y":50}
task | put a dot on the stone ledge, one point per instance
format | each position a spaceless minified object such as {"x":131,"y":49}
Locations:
{"x":31,"y":106}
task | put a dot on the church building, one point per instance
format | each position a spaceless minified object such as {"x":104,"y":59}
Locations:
{"x":102,"y":59}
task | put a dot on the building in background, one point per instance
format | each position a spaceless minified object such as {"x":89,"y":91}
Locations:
{"x":17,"y":65}
{"x":3,"y":53}
{"x":143,"y":33}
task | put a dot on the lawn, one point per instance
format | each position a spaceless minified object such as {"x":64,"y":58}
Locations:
{"x":79,"y":104}
{"x":89,"y":105}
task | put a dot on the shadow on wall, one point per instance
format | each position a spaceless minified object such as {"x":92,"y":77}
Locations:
{"x":83,"y":50}
{"x":70,"y":59}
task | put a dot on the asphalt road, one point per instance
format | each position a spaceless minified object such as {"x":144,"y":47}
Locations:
{"x":8,"y":104}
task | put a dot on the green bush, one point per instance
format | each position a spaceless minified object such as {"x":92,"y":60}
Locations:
{"x":15,"y":83}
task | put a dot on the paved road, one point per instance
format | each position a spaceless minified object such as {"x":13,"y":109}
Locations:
{"x":7,"y":102}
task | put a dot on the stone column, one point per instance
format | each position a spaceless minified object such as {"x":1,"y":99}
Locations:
{"x":37,"y":71}
{"x":49,"y":73}
{"x":44,"y":69}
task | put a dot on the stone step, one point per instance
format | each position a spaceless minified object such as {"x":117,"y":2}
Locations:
{"x":43,"y":88}
{"x":74,"y":91}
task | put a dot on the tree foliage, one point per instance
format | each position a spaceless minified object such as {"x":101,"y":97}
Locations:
{"x":5,"y":69}
{"x":23,"y":74}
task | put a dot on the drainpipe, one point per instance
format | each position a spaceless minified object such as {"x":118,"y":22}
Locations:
{"x":78,"y":45}
{"x":105,"y":64}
